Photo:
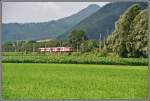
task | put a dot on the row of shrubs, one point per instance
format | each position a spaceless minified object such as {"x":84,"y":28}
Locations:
{"x":59,"y":53}
{"x":75,"y":58}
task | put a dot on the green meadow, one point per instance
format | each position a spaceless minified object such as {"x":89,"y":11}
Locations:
{"x":73,"y":81}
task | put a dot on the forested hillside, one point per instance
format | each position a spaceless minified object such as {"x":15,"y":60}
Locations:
{"x":103,"y":21}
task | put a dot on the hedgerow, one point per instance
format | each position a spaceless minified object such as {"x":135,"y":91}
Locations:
{"x":75,"y":58}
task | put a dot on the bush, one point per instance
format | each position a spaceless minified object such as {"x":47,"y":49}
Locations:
{"x":102,"y":53}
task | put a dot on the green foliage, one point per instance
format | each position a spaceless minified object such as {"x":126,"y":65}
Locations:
{"x":103,"y":53}
{"x":89,"y":45}
{"x":76,"y":37}
{"x":138,"y":44}
{"x":130,"y":36}
{"x":30,"y":46}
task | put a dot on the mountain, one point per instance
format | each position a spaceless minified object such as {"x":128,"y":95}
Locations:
{"x":44,"y":30}
{"x":103,"y":21}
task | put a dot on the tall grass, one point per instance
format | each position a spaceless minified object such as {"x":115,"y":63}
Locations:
{"x":73,"y":58}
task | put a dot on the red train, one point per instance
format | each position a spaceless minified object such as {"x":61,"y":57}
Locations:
{"x":56,"y":49}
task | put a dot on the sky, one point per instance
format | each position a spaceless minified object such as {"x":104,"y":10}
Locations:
{"x":26,"y":12}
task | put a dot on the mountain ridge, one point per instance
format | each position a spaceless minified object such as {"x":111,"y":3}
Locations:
{"x":102,"y":21}
{"x":44,"y":30}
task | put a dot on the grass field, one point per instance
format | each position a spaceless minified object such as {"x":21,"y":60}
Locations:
{"x":73,"y":81}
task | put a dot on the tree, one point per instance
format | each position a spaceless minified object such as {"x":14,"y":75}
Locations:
{"x":76,"y":37}
{"x":8,"y":47}
{"x":138,"y":39}
{"x":89,"y":45}
{"x":118,"y":39}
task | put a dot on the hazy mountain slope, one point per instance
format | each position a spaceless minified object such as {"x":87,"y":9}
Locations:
{"x":103,"y":21}
{"x":44,"y":30}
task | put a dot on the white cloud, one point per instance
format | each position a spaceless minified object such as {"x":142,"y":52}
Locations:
{"x":40,"y":11}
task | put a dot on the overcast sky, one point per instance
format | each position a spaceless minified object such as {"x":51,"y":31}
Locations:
{"x":24,"y":12}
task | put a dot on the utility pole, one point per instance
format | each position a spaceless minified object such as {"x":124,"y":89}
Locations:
{"x":45,"y":47}
{"x":33,"y":47}
{"x":100,"y":42}
{"x":82,"y":45}
{"x":77,"y":47}
{"x":105,"y":38}
{"x":104,"y":43}
{"x":60,"y":46}
{"x":60,"y":43}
